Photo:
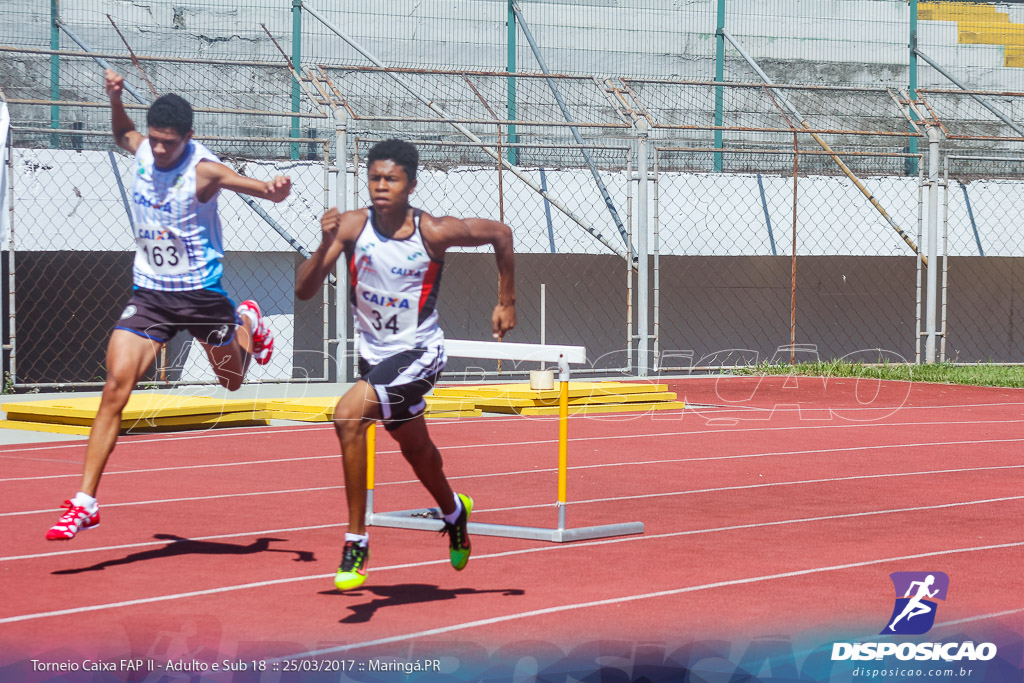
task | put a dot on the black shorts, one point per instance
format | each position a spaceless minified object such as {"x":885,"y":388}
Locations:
{"x":401,"y":381}
{"x":208,"y":316}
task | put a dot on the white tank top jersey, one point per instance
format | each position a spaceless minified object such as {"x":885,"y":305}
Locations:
{"x":393,"y":288}
{"x":178,"y":239}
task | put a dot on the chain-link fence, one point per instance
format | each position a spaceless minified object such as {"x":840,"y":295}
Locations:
{"x":735,"y":170}
{"x":753,"y":267}
{"x":73,"y":244}
{"x":984,"y":271}
{"x":584,"y":282}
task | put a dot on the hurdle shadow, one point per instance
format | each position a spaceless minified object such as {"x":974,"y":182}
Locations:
{"x":406,"y":594}
{"x":179,"y":546}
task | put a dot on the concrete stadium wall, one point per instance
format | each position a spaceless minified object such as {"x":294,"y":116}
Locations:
{"x":839,"y":42}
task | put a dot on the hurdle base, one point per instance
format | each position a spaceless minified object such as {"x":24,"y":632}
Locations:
{"x":429,"y":519}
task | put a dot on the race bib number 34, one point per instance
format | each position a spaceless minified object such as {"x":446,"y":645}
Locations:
{"x":158,"y":252}
{"x":391,"y":318}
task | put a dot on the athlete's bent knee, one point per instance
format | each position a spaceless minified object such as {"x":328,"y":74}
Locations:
{"x":116,"y":392}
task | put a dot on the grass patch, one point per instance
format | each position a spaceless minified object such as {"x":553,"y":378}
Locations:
{"x":946,"y":373}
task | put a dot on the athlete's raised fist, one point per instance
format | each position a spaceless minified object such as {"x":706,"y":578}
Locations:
{"x":114,"y":83}
{"x":329,"y":223}
{"x":279,"y":188}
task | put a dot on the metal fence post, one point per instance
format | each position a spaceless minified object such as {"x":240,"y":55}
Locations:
{"x":934,"y":136}
{"x":297,"y":62}
{"x":919,"y":259}
{"x":6,"y":204}
{"x":719,"y":77}
{"x":54,"y":74}
{"x":340,"y":200}
{"x":513,"y":153}
{"x":912,"y":83}
{"x":11,"y":378}
{"x":643,"y":274}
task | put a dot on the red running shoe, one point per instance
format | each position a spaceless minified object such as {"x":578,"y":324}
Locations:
{"x":262,"y":337}
{"x":72,"y":521}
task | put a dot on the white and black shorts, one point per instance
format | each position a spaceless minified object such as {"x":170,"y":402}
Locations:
{"x":401,"y":381}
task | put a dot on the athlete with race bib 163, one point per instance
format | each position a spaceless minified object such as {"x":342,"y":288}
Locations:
{"x":176,"y":276}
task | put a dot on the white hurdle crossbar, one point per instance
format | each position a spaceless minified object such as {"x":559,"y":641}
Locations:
{"x":429,"y":519}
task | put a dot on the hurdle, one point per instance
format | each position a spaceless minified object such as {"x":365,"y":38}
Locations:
{"x":429,"y":519}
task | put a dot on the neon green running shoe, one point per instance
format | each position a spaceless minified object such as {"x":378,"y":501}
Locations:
{"x":458,"y":537}
{"x":352,"y":572}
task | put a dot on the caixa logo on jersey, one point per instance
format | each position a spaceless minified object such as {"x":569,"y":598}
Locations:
{"x":916,"y":596}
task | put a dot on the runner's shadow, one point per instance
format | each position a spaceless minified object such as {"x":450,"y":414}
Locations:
{"x":186,"y":546}
{"x":407,"y":594}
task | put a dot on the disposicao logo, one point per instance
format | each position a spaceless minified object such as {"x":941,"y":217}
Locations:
{"x":914,"y":614}
{"x":916,"y":593}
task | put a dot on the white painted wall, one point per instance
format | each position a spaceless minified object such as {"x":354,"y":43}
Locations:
{"x":4,"y":183}
{"x":68,"y":200}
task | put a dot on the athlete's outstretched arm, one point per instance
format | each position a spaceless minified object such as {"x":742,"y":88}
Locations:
{"x":125,"y":135}
{"x":478,"y":232}
{"x":211,"y":176}
{"x":338,"y":232}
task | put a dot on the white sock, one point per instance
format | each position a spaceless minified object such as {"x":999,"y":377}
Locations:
{"x":458,"y":511}
{"x":361,"y":539}
{"x":85,"y":500}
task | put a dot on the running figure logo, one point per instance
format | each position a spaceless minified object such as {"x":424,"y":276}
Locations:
{"x":914,"y":612}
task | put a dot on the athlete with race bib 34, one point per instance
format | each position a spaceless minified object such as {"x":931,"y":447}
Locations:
{"x":395,"y":256}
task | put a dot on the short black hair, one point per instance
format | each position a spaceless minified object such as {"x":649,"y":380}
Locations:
{"x":170,"y":111}
{"x":399,"y":151}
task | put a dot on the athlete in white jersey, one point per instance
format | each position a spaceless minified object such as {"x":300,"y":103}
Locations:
{"x":179,"y":240}
{"x":176,"y":276}
{"x":395,"y":256}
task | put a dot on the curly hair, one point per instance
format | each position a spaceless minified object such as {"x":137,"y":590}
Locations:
{"x":399,"y":151}
{"x":170,"y":111}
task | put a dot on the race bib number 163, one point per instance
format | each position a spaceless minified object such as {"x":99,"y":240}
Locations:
{"x":158,"y":252}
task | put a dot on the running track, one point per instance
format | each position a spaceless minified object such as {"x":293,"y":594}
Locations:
{"x":774,"y":508}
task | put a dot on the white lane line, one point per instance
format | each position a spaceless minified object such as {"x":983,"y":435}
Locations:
{"x":274,"y":582}
{"x":590,"y":438}
{"x":639,"y":596}
{"x":578,"y":502}
{"x":184,"y":500}
{"x":691,"y":532}
{"x":980,"y":617}
{"x":149,"y":544}
{"x":220,"y":434}
{"x":145,"y":470}
{"x":719,"y":489}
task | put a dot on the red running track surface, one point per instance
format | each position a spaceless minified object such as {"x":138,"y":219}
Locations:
{"x":775,"y":508}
